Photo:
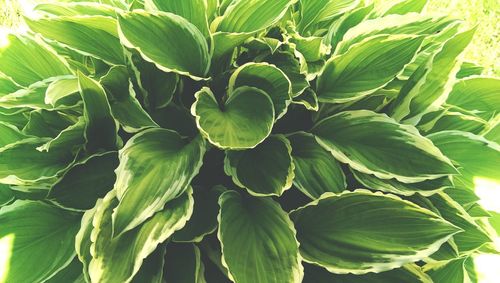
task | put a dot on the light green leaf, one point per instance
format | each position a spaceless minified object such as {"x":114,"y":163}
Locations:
{"x":243,"y":16}
{"x":349,"y":20}
{"x":234,"y":125}
{"x":479,"y":95}
{"x":31,"y":97}
{"x":100,"y":126}
{"x":266,"y":77}
{"x":124,"y":105}
{"x":6,"y":195}
{"x":195,"y":11}
{"x":89,"y":35}
{"x":468,"y":69}
{"x":431,"y":84}
{"x":448,"y":272}
{"x":266,"y":170}
{"x":290,"y":65}
{"x":457,"y":121}
{"x":72,"y":273}
{"x":9,"y":134}
{"x":405,"y":6}
{"x":72,"y":138}
{"x":156,"y":166}
{"x":85,"y":182}
{"x":225,"y":42}
{"x":22,"y":163}
{"x":185,"y":257}
{"x":184,"y":49}
{"x":204,"y":218}
{"x":83,"y":240}
{"x":7,"y":85}
{"x":410,"y":273}
{"x":44,"y":123}
{"x":425,"y":188}
{"x":376,"y":144}
{"x":28,"y":60}
{"x":316,"y":171}
{"x":118,"y":258}
{"x":77,"y":9}
{"x":62,"y":91}
{"x":366,"y":67}
{"x":258,"y":240}
{"x":458,"y":146}
{"x":314,"y":11}
{"x":34,"y":230}
{"x":360,"y":232}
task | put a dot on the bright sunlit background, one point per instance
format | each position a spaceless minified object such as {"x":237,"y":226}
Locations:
{"x":485,"y":50}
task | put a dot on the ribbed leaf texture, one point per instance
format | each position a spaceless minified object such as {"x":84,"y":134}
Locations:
{"x":247,"y":141}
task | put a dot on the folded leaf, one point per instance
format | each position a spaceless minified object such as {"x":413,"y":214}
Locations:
{"x":119,"y":258}
{"x":360,"y":232}
{"x":234,"y":125}
{"x":266,"y":170}
{"x":83,"y":242}
{"x":9,"y":134}
{"x":268,"y":78}
{"x":184,"y":49}
{"x":314,"y":11}
{"x":258,"y":240}
{"x":316,"y":171}
{"x":366,"y":67}
{"x":6,"y":195}
{"x":375,"y":144}
{"x":156,"y":166}
{"x":33,"y":230}
{"x":62,"y":91}
{"x":458,"y":146}
{"x":85,"y":182}
{"x":89,"y":35}
{"x":26,"y":60}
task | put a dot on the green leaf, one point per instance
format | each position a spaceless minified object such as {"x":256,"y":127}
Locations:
{"x":258,"y":240}
{"x":44,"y":123}
{"x":124,"y":105}
{"x":290,"y":65}
{"x":31,"y":97}
{"x":366,"y":67}
{"x":67,"y":8}
{"x":195,"y":11}
{"x":26,"y":60}
{"x":85,"y":182}
{"x":405,"y":6}
{"x":184,"y":49}
{"x":185,"y":257}
{"x":360,"y":232}
{"x":316,"y":171}
{"x":448,"y":272}
{"x":308,"y":99}
{"x":32,"y":231}
{"x":151,"y":270}
{"x":89,"y":35}
{"x":62,"y":91}
{"x":204,"y":218}
{"x":119,"y":258}
{"x":468,"y":69}
{"x":458,"y":146}
{"x":156,"y":166}
{"x":6,"y":195}
{"x":234,"y":125}
{"x":9,"y":134}
{"x":433,"y":83}
{"x":243,"y":16}
{"x":266,"y":170}
{"x":313,"y":11}
{"x":72,"y":273}
{"x":266,"y":77}
{"x":409,"y":273}
{"x":425,"y":188}
{"x":71,"y":139}
{"x":22,"y":163}
{"x":7,"y":85}
{"x":83,"y":242}
{"x":349,"y":20}
{"x":376,"y":144}
{"x":101,"y":128}
{"x":479,"y":95}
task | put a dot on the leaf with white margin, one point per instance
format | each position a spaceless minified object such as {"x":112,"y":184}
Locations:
{"x":28,"y":60}
{"x":36,"y":230}
{"x":83,"y":240}
{"x":409,"y":273}
{"x":425,"y":188}
{"x":361,"y":231}
{"x":94,"y":36}
{"x":9,"y":134}
{"x":366,"y":67}
{"x":156,"y":166}
{"x":349,"y":20}
{"x":234,"y":125}
{"x":308,"y":99}
{"x":479,"y":95}
{"x":266,"y":170}
{"x":475,"y":156}
{"x":268,"y":78}
{"x":124,"y":105}
{"x":375,"y":144}
{"x":258,"y":240}
{"x":316,"y":171}
{"x":184,"y":49}
{"x":152,"y":268}
{"x":287,"y":62}
{"x":117,"y":258}
{"x":195,"y":11}
{"x":243,"y":16}
{"x":63,"y":91}
{"x":403,"y":7}
{"x":77,"y":9}
{"x":448,"y":271}
{"x":313,"y":11}
{"x":100,"y":126}
{"x":22,"y":163}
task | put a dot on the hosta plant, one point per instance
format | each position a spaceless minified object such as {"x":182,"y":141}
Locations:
{"x":266,"y":141}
